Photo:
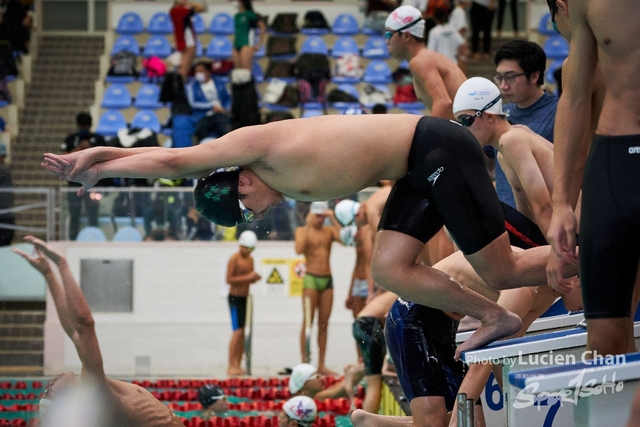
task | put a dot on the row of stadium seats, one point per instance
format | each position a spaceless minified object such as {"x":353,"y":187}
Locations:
{"x":222,"y":24}
{"x":221,"y":47}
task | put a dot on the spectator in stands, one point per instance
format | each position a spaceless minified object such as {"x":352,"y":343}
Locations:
{"x":6,"y":199}
{"x":377,"y":13}
{"x":481,"y":15}
{"x":81,"y":140}
{"x":131,"y":402}
{"x":444,"y":38}
{"x":185,"y":33}
{"x":16,"y":23}
{"x":502,"y":5}
{"x":458,"y":17}
{"x":240,"y":275}
{"x":209,"y":101}
{"x":520,"y":67}
{"x":246,"y":21}
{"x":421,"y":5}
{"x":299,"y":411}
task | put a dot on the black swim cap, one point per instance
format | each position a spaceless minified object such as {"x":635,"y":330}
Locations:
{"x":209,"y":394}
{"x":216,"y":197}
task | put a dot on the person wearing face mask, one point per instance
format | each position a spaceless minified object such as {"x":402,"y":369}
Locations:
{"x":80,"y":140}
{"x":209,"y":101}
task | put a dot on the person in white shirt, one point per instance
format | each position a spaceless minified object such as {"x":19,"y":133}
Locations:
{"x":421,"y":5}
{"x":458,"y":17}
{"x":444,"y":38}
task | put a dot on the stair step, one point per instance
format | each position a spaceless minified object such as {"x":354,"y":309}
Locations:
{"x":21,"y":317}
{"x":21,"y":331}
{"x":21,"y":357}
{"x":22,"y":344}
{"x":21,"y":371}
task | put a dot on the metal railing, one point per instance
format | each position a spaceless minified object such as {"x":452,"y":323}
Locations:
{"x":48,"y":205}
{"x":466,"y":411}
{"x":307,"y":329}
{"x":248,"y":334}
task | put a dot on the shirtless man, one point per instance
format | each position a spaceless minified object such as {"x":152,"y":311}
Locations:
{"x":602,"y":38}
{"x":441,"y":176}
{"x":436,"y":78}
{"x":314,"y":241}
{"x":240,"y":275}
{"x":132,"y":402}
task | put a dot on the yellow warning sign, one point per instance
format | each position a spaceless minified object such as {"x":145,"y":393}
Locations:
{"x":275,"y":278}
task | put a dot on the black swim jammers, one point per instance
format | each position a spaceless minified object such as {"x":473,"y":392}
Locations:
{"x":447,"y":184}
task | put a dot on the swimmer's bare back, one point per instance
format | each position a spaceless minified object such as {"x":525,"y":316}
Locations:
{"x":142,"y":407}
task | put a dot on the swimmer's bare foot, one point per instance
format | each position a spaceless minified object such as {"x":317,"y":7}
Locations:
{"x":493,"y":327}
{"x":235,"y":372}
{"x":468,"y":323}
{"x":323,"y":370}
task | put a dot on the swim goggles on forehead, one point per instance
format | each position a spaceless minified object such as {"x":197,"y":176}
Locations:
{"x":468,"y":119}
{"x":247,"y":213}
{"x":389,"y":34}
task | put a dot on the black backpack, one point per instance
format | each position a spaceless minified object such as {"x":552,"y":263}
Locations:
{"x":123,"y":63}
{"x":315,"y":19}
{"x":8,"y":65}
{"x":285,"y":23}
{"x":312,"y":67}
{"x":281,"y":46}
{"x":244,"y":108}
{"x":337,"y":95}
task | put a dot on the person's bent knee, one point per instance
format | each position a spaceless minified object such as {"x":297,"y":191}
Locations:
{"x":359,"y":417}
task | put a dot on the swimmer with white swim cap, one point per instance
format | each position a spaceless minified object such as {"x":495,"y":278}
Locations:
{"x":130,"y":401}
{"x":299,"y":411}
{"x":240,"y":275}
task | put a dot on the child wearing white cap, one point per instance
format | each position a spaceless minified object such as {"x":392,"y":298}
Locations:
{"x":299,"y":411}
{"x":240,"y":275}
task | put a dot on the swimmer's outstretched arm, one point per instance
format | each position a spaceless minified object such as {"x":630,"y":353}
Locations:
{"x":239,"y":148}
{"x":73,"y":310}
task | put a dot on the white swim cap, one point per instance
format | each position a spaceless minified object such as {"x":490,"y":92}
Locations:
{"x":348,"y":235}
{"x":406,"y":19}
{"x":299,"y":375}
{"x":476,"y":94}
{"x":318,"y":208}
{"x":248,"y":239}
{"x":346,"y":211}
{"x":302,"y":409}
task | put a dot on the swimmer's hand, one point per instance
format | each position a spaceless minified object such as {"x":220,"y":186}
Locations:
{"x":555,"y":274}
{"x":77,"y":167}
{"x":562,"y":236}
{"x":38,"y":260}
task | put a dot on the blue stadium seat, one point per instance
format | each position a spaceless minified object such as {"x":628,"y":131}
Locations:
{"x":222,"y":25}
{"x":127,"y":234}
{"x":551,"y":69}
{"x":198,"y":24}
{"x":258,"y":74}
{"x":314,"y":44}
{"x":556,"y":48}
{"x":219,"y":48}
{"x":157,"y":46}
{"x":545,"y":26}
{"x":351,"y":90}
{"x":377,"y":72}
{"x":262,"y":52}
{"x":110,"y":122}
{"x":126,"y":43}
{"x":146,"y":119}
{"x":147,"y":97}
{"x":312,"y":113}
{"x":375,"y":48}
{"x":160,"y":23}
{"x":345,"y":25}
{"x":411,"y":105}
{"x":343,"y":46}
{"x":91,"y":234}
{"x":417,"y":112}
{"x":130,"y":23}
{"x":116,"y":97}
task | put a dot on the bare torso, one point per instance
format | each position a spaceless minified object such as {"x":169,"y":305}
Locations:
{"x":542,"y":151}
{"x":317,"y":249}
{"x":327,"y":157}
{"x":142,"y":407}
{"x":449,"y":73}
{"x":364,"y":246}
{"x":240,"y":266}
{"x":614,"y":26}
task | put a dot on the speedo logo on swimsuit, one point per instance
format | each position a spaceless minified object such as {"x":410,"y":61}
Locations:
{"x":434,"y":176}
{"x":634,"y":150}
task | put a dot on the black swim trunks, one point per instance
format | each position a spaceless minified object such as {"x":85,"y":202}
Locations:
{"x":238,"y":309}
{"x":523,"y":232}
{"x":422,"y":344}
{"x":447,"y":184}
{"x":610,"y":226}
{"x":369,"y":335}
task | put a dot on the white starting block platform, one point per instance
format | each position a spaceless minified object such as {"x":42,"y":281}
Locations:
{"x":597,"y":393}
{"x":544,"y":350}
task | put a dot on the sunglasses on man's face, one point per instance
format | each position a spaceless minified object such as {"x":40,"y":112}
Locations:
{"x":466,"y":120}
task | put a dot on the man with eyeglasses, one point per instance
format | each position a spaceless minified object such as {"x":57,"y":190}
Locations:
{"x":520,"y":67}
{"x":442,"y":181}
{"x":603,"y":40}
{"x":436,"y":78}
{"x":130,"y":401}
